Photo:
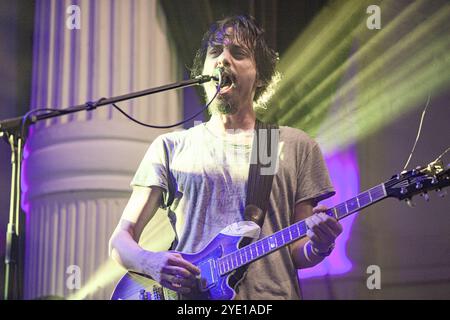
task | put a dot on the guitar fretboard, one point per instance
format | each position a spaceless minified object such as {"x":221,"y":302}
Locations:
{"x":279,"y":239}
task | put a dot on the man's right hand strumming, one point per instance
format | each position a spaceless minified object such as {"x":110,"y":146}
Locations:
{"x":170,"y":270}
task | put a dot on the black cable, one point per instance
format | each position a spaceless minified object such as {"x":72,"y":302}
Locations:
{"x":32,"y":112}
{"x":172,"y":125}
{"x":92,"y":105}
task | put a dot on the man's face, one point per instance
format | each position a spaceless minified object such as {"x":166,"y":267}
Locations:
{"x":239,"y":74}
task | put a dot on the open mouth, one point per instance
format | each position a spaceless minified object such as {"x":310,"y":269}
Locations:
{"x":228,"y":83}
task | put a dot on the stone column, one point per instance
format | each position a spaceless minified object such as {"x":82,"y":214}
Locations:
{"x":78,"y":167}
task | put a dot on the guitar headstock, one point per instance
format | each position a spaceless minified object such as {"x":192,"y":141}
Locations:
{"x":418,"y":181}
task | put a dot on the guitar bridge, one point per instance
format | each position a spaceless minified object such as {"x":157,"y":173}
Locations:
{"x":158,"y":293}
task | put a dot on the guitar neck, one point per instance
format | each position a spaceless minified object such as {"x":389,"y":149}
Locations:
{"x":269,"y":244}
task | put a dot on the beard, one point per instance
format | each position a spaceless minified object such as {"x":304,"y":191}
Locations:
{"x":223,"y":106}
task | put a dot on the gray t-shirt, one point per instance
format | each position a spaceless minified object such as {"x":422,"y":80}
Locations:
{"x":209,"y":174}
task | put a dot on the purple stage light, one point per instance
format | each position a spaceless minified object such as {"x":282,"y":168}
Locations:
{"x":344,"y":173}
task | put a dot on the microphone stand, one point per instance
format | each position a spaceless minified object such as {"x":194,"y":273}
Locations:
{"x":15,"y":131}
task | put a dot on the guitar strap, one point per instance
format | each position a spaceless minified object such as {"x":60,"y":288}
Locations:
{"x":169,"y":197}
{"x":261,"y":171}
{"x":259,"y":183}
{"x":263,"y":165}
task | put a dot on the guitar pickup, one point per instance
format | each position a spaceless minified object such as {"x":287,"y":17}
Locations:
{"x":208,"y":274}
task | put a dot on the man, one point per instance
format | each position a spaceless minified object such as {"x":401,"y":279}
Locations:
{"x":208,"y":165}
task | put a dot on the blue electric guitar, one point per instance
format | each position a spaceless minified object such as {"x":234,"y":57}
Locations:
{"x":221,"y":261}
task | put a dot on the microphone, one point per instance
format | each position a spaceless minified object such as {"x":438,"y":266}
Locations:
{"x":218,"y":75}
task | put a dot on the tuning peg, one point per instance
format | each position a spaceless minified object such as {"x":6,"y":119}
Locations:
{"x":419,"y":185}
{"x":410,"y":203}
{"x":425,"y":196}
{"x":434,"y":180}
{"x":143,"y":295}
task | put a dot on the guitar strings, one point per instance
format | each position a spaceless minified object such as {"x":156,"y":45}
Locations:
{"x":442,"y":154}
{"x":418,"y":132}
